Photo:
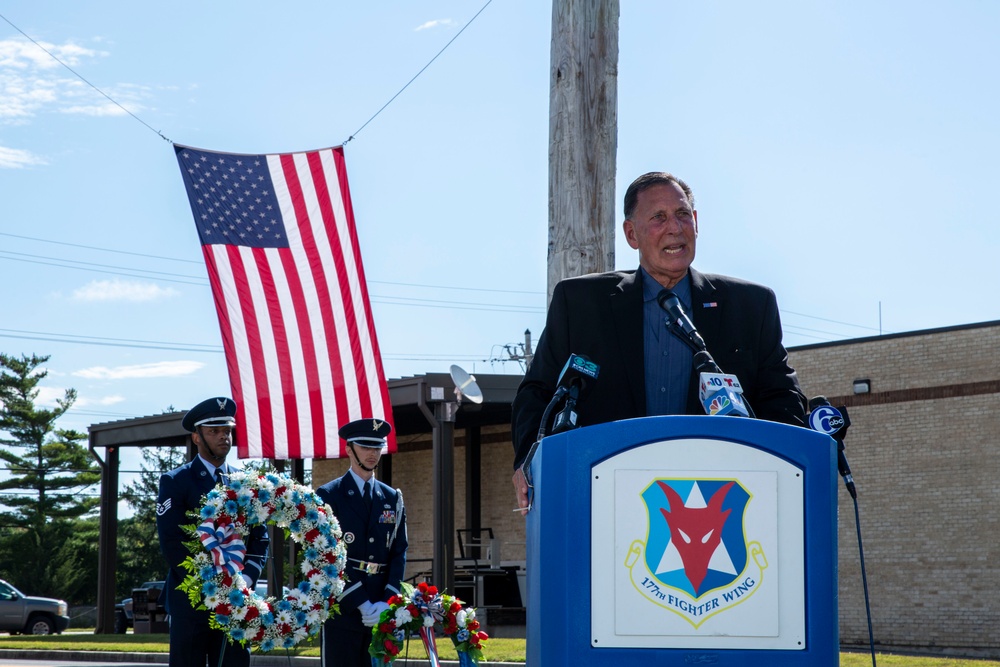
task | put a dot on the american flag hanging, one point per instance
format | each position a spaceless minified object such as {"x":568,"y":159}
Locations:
{"x":278,"y":236}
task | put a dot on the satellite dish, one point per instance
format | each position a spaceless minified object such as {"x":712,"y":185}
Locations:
{"x":465,"y":385}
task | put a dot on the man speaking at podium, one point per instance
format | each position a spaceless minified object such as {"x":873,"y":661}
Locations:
{"x":616,"y":321}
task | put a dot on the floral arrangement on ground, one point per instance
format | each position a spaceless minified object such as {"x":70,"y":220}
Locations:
{"x":263,"y":497}
{"x":421,"y":610}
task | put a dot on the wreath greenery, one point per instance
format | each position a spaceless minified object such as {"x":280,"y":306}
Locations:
{"x":423,"y":608}
{"x":263,"y":497}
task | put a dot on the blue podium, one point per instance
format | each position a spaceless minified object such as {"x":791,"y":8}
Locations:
{"x":683,"y":541}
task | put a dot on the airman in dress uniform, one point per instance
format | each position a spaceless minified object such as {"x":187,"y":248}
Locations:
{"x":373,"y":522}
{"x":192,"y":642}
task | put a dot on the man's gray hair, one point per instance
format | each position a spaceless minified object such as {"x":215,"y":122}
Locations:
{"x":647,"y":181}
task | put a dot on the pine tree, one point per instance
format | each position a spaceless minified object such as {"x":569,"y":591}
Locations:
{"x":49,"y":471}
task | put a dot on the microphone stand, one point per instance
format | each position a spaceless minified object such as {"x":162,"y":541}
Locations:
{"x":542,"y":432}
{"x":864,"y":579}
{"x":845,"y":471}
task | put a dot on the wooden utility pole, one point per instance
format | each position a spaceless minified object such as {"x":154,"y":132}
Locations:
{"x":583,"y":138}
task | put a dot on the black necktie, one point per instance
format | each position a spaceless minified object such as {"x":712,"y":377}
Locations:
{"x":218,"y":477}
{"x":367,"y":496}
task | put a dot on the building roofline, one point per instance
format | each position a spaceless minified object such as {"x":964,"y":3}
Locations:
{"x":405,"y":394}
{"x":905,"y":334}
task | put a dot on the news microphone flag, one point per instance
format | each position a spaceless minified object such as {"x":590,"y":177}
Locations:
{"x":721,"y":394}
{"x":280,"y":245}
{"x":825,"y":418}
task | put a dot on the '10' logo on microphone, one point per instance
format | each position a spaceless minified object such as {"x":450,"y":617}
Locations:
{"x":826,"y":419}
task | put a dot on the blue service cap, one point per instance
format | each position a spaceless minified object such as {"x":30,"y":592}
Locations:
{"x":366,"y":432}
{"x":219,"y":411}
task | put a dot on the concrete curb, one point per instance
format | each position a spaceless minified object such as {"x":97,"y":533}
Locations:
{"x":163,"y":658}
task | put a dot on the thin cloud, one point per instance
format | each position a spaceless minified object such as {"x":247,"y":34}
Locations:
{"x":15,"y":158}
{"x":47,"y":396}
{"x":103,"y":401}
{"x":108,"y":109}
{"x":20,"y":54}
{"x":122,"y":290}
{"x":33,"y":82}
{"x":160,"y":369}
{"x":434,"y":24}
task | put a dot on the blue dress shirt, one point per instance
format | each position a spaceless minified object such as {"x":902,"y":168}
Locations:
{"x":667,"y":359}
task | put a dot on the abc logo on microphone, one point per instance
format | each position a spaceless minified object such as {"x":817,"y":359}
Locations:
{"x":826,"y":419}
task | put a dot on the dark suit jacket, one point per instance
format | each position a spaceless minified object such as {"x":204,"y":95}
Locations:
{"x":181,"y":490}
{"x":369,"y":537}
{"x":600,"y":316}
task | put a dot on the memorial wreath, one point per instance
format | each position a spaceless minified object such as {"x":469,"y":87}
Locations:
{"x":420,"y":611}
{"x":263,"y":497}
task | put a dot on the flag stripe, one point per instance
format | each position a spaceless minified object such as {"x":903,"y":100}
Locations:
{"x":318,"y":382}
{"x":329,"y":361}
{"x":307,"y":376}
{"x":293,"y":368}
{"x":286,"y":429}
{"x":283,"y":259}
{"x":343,"y":321}
{"x":370,"y":356}
{"x":234,"y":334}
{"x":255,"y":373}
{"x":228,"y":340}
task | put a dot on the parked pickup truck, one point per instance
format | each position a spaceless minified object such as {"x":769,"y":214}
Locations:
{"x":124,"y":617}
{"x":30,"y":615}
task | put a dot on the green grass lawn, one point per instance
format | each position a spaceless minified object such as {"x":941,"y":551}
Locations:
{"x":497,"y":650}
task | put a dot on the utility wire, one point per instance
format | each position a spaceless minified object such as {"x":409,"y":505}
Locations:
{"x":201,"y":263}
{"x":81,"y":77}
{"x":846,"y":324}
{"x":70,"y":262}
{"x":357,"y":131}
{"x":206,"y":347}
{"x":108,"y":342}
{"x":466,"y":289}
{"x":456,"y":305}
{"x":391,"y":300}
{"x":203,"y":283}
{"x":160,"y":134}
{"x":91,"y":247}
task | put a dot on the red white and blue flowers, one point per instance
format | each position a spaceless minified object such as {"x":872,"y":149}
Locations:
{"x":264,"y":497}
{"x":419,"y":611}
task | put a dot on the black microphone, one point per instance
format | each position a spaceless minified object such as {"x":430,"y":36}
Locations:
{"x":578,"y":371}
{"x":720,"y":393}
{"x":704,"y":363}
{"x":834,"y":422}
{"x":679,"y":320}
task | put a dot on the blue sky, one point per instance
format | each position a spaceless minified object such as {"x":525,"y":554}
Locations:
{"x":841,"y":153}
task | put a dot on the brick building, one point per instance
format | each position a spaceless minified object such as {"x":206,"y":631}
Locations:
{"x":921,"y":449}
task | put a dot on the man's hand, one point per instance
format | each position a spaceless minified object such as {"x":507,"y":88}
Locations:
{"x":379,"y":608}
{"x":369,"y":613}
{"x":521,"y":490}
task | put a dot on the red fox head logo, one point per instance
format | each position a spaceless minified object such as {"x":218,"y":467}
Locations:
{"x":695,"y":532}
